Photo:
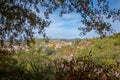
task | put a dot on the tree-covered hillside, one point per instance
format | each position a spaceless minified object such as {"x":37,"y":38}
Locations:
{"x":89,"y":59}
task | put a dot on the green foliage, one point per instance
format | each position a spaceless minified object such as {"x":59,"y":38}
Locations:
{"x":49,"y":51}
{"x":9,"y":67}
{"x":100,"y":61}
{"x":19,"y":18}
{"x":37,"y":64}
{"x":105,"y":54}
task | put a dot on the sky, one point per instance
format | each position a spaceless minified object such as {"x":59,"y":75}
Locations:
{"x":67,"y":26}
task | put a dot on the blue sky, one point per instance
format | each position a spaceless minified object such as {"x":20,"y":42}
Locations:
{"x":67,"y":26}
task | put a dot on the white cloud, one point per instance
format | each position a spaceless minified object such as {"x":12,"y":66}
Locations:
{"x":58,"y":32}
{"x":63,"y":27}
{"x":66,"y":27}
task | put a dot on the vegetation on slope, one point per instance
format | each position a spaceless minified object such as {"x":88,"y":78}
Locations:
{"x":90,"y":59}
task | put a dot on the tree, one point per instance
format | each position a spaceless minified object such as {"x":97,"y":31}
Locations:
{"x":18,"y":20}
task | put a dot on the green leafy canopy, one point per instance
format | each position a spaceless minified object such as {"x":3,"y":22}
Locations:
{"x":18,"y":20}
